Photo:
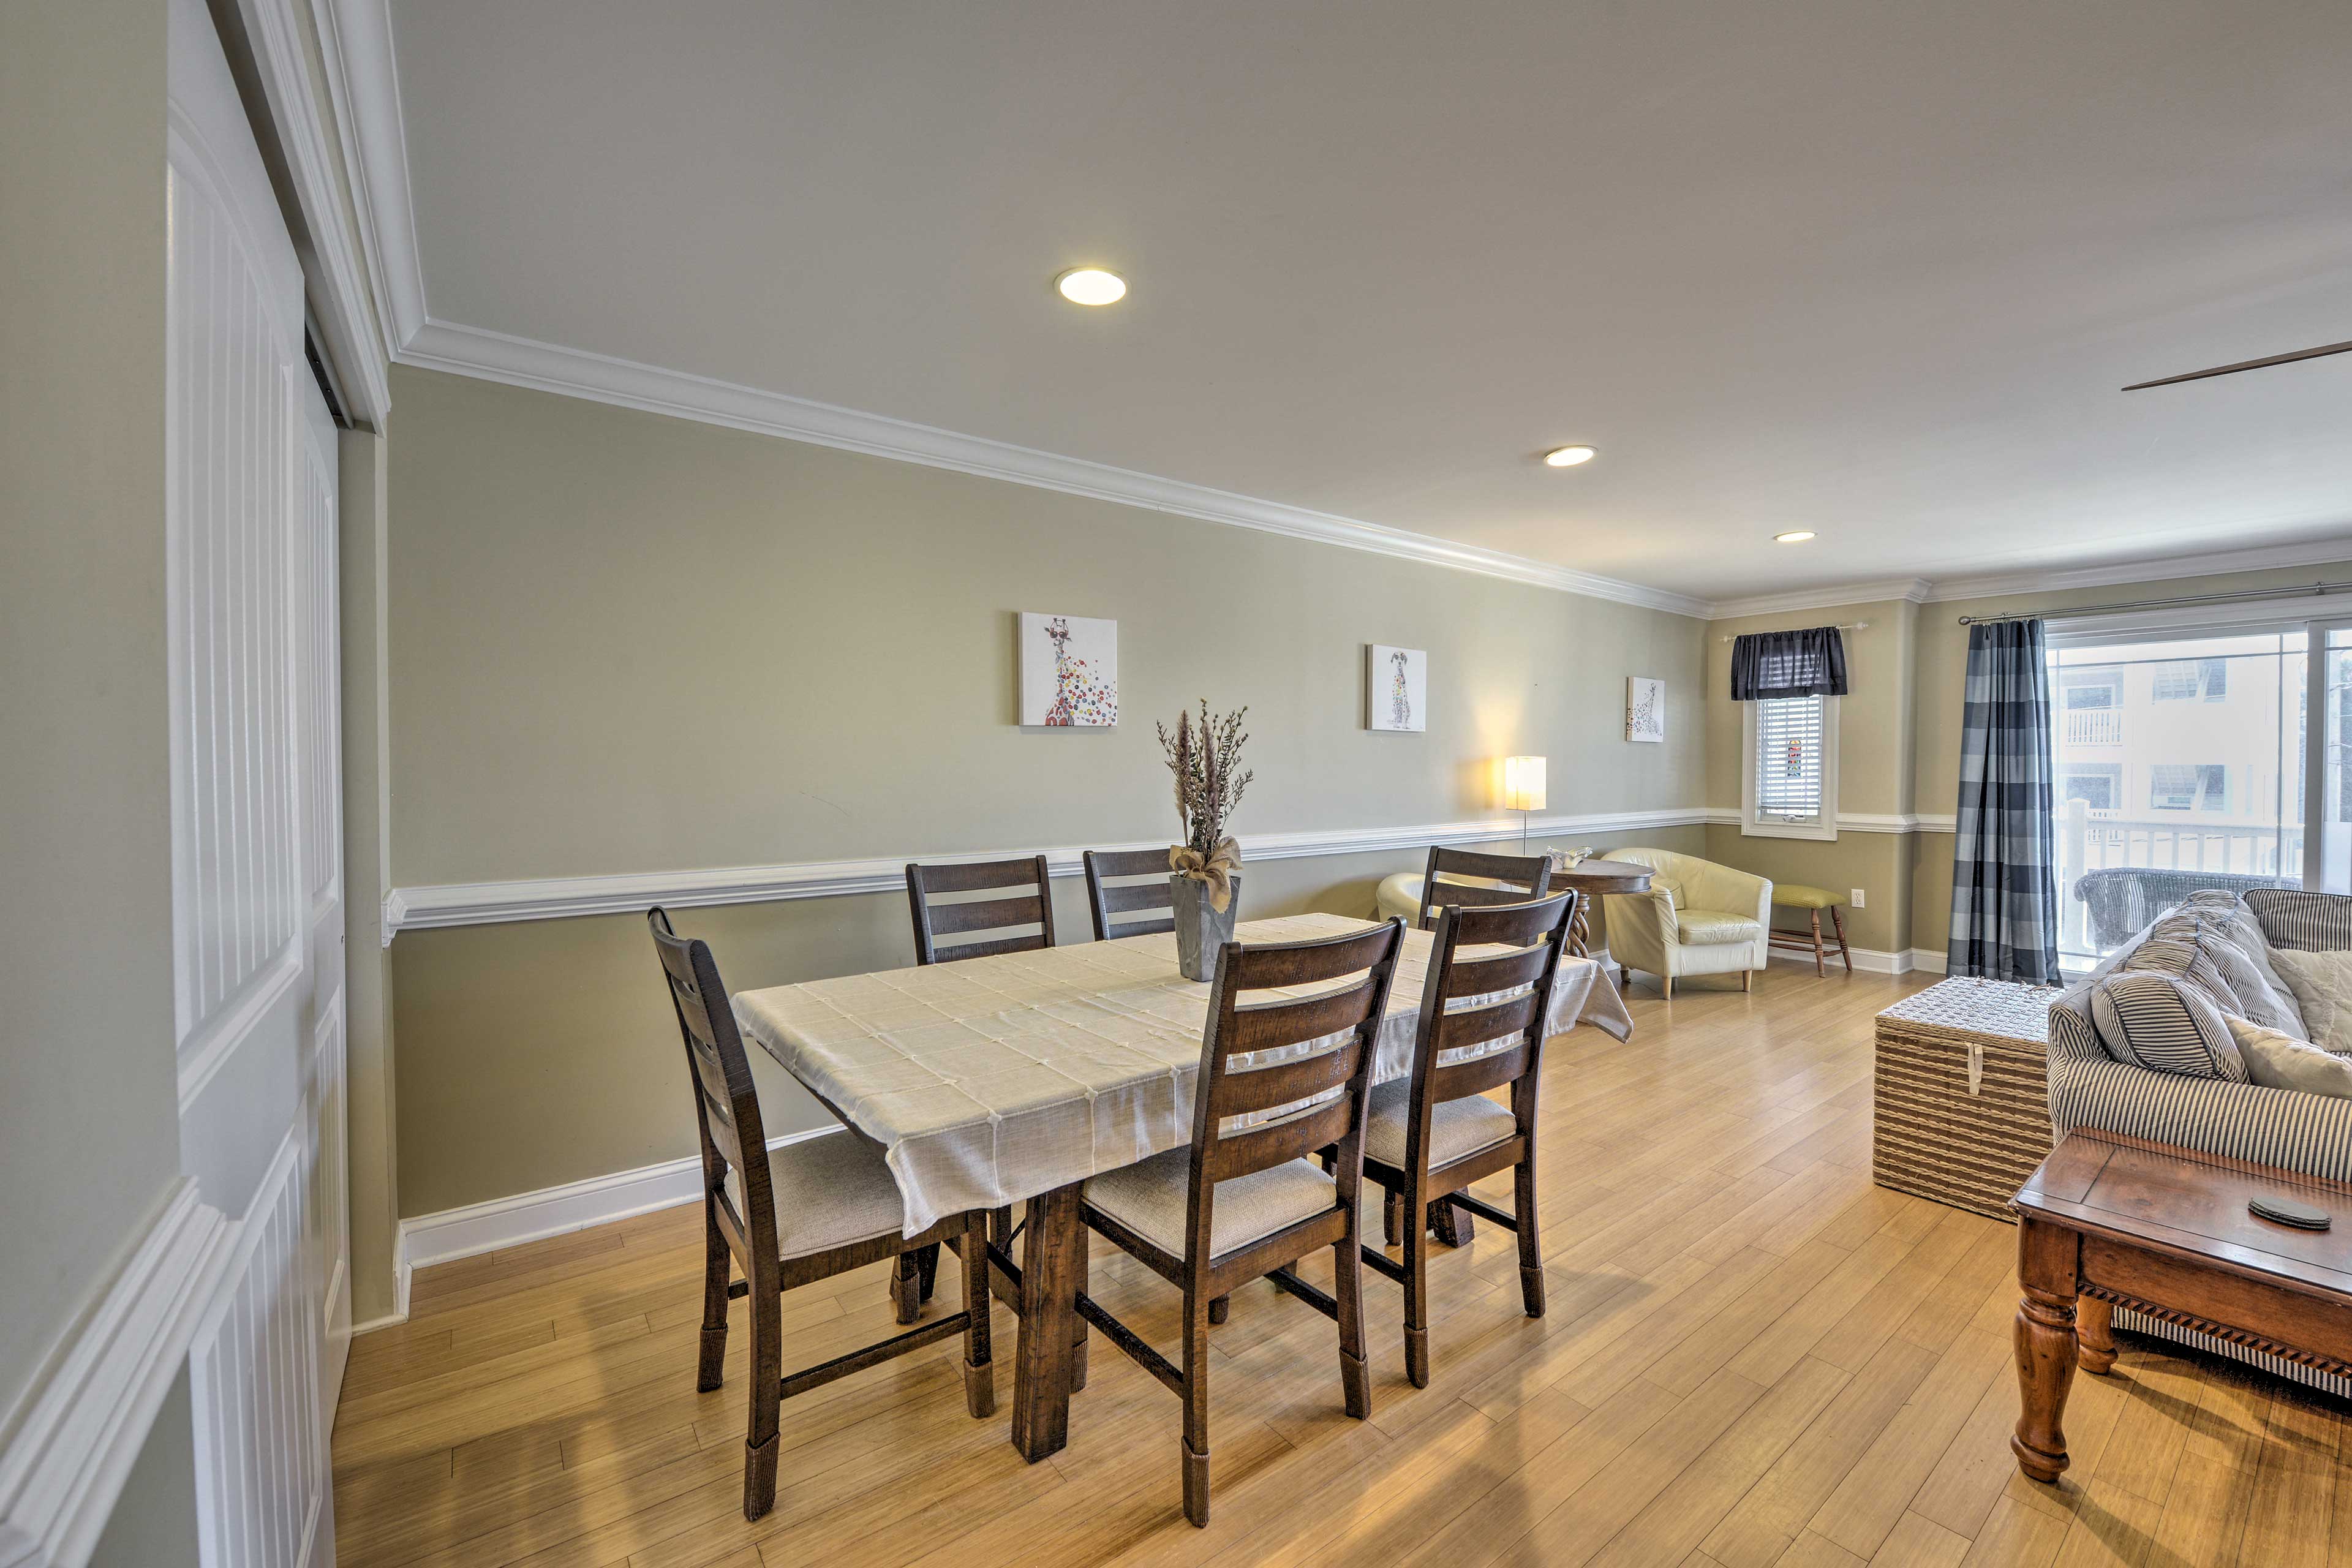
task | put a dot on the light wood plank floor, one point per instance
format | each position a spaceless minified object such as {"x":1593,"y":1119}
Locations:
{"x":1752,"y":1357}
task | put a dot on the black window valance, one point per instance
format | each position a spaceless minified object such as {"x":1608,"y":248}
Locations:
{"x":1808,"y":663}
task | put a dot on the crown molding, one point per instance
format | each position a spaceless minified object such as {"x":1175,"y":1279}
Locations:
{"x":574,"y":372}
{"x":559,"y":898}
{"x":68,"y":1447}
{"x":317,"y":165}
{"x":1914,"y":589}
{"x":2214,"y":564}
{"x":364,"y":82}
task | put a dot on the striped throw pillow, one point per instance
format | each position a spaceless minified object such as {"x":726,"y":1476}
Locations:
{"x":2151,"y":1019}
{"x":2301,"y":922}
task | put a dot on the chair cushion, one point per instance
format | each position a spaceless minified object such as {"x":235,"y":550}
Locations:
{"x":1712,"y":927}
{"x":1797,"y":896}
{"x":2322,"y":983}
{"x":1456,"y":1127}
{"x":1150,"y":1198}
{"x":2161,"y":1022}
{"x":829,"y":1191}
{"x":2280,"y":1061}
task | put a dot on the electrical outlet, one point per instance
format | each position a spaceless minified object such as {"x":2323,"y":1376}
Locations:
{"x":1857,"y":897}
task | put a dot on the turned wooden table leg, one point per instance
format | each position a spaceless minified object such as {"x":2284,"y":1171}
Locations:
{"x":2094,"y":1332}
{"x":2047,"y":1268}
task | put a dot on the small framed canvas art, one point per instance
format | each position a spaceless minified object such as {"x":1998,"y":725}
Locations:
{"x":1396,"y":687}
{"x":1646,"y":708}
{"x":1069,"y":672}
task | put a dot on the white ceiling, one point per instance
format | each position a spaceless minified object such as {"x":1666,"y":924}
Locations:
{"x":1875,"y":270}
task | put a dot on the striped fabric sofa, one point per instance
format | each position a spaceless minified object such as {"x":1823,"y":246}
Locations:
{"x":2304,"y":1133}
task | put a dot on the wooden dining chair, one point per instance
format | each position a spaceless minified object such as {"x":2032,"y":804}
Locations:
{"x":1033,"y":906}
{"x":1243,"y":1201}
{"x":1522,"y":877}
{"x":1427,"y":1137}
{"x":791,"y":1217}
{"x":1124,"y":907}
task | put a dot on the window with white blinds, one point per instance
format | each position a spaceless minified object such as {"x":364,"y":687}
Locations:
{"x":1792,"y":767}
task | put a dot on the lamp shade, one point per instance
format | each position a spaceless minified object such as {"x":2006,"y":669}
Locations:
{"x":1523,"y":783}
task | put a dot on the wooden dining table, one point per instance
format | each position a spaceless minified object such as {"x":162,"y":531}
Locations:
{"x":1010,"y":1079}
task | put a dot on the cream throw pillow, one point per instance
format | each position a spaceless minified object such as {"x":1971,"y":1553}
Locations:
{"x":2322,"y":983}
{"x":2281,"y":1061}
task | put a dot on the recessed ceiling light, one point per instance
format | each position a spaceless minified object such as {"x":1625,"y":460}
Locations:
{"x":1091,"y":286}
{"x":1570,"y":457}
{"x":1798,"y":537}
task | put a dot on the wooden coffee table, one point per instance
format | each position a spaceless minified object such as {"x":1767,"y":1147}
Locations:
{"x":2110,"y":1221}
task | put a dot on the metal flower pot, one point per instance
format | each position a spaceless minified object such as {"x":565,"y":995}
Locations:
{"x":1200,"y":929}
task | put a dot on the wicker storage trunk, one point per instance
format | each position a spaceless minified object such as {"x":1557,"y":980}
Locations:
{"x":1961,"y":1094}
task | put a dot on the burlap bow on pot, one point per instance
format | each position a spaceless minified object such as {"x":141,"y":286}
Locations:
{"x":1216,"y":868}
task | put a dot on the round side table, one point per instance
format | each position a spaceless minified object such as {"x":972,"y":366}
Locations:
{"x":1594,"y":878}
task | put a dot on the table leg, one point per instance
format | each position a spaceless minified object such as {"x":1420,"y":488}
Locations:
{"x":1049,"y":1287}
{"x":2094,"y":1330}
{"x":1579,"y":931}
{"x":2047,"y":1261}
{"x":1451,"y":1225}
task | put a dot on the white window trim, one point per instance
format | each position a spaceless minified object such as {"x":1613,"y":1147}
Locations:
{"x":1749,"y":825}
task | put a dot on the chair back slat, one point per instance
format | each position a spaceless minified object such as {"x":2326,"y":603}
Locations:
{"x":1265,"y":1026}
{"x":1501,"y":1001}
{"x":1287,"y":1082}
{"x":1459,"y":1080}
{"x":1261,"y":1148}
{"x":1125,"y":908}
{"x":987,"y":914}
{"x":1032,"y":907}
{"x":1498,"y":971}
{"x":1477,"y":1025}
{"x":1524,"y":876}
{"x":726,"y":1101}
{"x":1341,"y":1019}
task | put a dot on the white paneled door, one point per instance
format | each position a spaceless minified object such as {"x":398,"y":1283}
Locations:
{"x":256,"y":826}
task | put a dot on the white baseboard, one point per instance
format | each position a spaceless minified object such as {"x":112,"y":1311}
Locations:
{"x":67,"y":1446}
{"x":1870,"y":960}
{"x":476,"y":1228}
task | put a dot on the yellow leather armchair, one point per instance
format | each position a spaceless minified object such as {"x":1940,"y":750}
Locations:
{"x":1699,"y":918}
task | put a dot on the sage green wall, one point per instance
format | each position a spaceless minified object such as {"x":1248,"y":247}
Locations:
{"x":88,"y":1103}
{"x":619,"y":642}
{"x":1943,"y":670}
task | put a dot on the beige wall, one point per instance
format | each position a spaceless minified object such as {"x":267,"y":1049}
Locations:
{"x":89,"y":1110}
{"x":619,"y":642}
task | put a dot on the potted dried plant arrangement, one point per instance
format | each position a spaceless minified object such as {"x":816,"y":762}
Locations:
{"x":1206,"y":867}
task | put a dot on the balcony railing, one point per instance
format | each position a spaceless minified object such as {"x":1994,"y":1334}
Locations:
{"x":2094,"y":727}
{"x":2100,"y":840}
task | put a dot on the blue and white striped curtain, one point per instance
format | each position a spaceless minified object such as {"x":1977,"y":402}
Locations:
{"x":2004,"y":848}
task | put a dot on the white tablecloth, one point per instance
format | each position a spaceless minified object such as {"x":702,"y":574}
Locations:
{"x":993,"y":1080}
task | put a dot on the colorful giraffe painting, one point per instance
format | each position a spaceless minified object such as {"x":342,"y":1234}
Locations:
{"x":1400,"y":698}
{"x":1069,"y":672}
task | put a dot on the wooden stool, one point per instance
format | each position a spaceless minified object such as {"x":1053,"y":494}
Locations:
{"x":1797,"y":896}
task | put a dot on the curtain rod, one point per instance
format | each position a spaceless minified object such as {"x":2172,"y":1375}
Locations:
{"x":1842,"y":625}
{"x":2295,"y":591}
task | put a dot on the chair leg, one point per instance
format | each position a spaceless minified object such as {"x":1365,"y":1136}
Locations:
{"x":1837,"y":922}
{"x":906,"y":1288}
{"x":1523,"y":1209}
{"x":1348,"y":1290}
{"x":1416,"y":1305}
{"x":926,"y":1271}
{"x":979,"y":1375}
{"x":1454,"y":1225}
{"x":1818,"y":969}
{"x":1196,"y":1409}
{"x":765,"y":1439}
{"x":1392,"y":1218}
{"x":1220,"y":1309}
{"x":1668,"y":982}
{"x":1748,"y":979}
{"x":717,"y":1263}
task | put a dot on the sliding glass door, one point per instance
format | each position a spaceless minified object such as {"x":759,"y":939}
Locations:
{"x":2327,"y":865}
{"x":2181,"y":764}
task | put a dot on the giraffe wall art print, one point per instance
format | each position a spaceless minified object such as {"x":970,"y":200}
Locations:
{"x":1069,"y":672}
{"x":1396,"y":687}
